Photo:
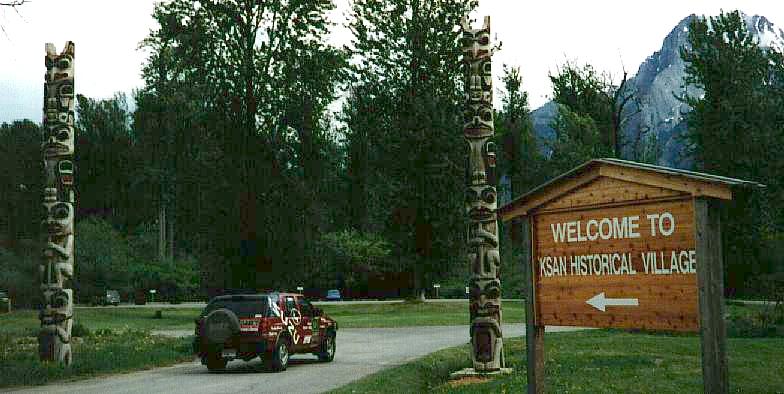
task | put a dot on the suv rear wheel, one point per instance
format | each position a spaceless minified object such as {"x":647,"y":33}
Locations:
{"x":328,"y":347}
{"x":280,"y":356}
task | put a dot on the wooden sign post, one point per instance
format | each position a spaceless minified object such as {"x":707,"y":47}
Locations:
{"x":618,"y":244}
{"x":713,"y":332}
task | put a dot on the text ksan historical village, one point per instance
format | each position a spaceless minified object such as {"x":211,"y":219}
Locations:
{"x":671,"y":262}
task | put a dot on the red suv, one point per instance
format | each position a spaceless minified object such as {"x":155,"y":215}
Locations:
{"x":271,"y":326}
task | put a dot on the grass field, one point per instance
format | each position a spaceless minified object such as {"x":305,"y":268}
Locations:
{"x":113,"y":318}
{"x":347,"y":316}
{"x":412,"y":314}
{"x":595,"y":361}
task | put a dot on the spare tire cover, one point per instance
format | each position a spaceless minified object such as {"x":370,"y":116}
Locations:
{"x":220,"y":325}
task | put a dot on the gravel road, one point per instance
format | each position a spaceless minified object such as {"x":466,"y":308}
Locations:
{"x":360,"y":352}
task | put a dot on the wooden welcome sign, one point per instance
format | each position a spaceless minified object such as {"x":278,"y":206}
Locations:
{"x":626,"y":267}
{"x":620,"y":244}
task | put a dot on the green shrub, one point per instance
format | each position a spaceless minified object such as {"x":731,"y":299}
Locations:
{"x":19,"y":278}
{"x":104,"y":259}
{"x":766,"y":287}
{"x":755,"y":321}
{"x":453,"y":288}
{"x":79,"y":330}
{"x":767,"y":320}
{"x":5,"y":306}
{"x":105,"y":351}
{"x":107,"y":332}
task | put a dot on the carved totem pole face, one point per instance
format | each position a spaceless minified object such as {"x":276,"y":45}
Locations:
{"x":481,"y":204}
{"x":58,"y":140}
{"x":59,"y":88}
{"x":59,"y":218}
{"x":60,"y":172}
{"x":58,"y":222}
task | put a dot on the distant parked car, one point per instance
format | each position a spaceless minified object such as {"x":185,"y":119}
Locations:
{"x":5,"y":302}
{"x":112,"y":297}
{"x":333,"y":295}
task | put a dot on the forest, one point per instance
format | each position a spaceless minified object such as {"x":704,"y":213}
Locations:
{"x":231,"y":168}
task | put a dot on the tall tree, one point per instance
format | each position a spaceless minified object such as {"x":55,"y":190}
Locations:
{"x":409,"y":48}
{"x":20,"y":182}
{"x":734,"y":129}
{"x":587,"y":93}
{"x":104,"y":143}
{"x":520,"y":164}
{"x":520,"y":159}
{"x":262,"y":75}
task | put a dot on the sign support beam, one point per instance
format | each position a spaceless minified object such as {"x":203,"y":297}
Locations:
{"x":713,"y":332}
{"x":534,"y":334}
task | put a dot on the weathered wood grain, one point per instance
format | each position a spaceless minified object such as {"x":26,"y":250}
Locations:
{"x":713,"y":332}
{"x":608,"y":190}
{"x":665,"y":301}
{"x":534,"y":334}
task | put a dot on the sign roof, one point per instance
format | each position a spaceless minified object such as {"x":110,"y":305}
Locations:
{"x":690,"y":182}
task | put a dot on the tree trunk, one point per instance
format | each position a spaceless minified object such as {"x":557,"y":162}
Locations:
{"x":162,"y":232}
{"x":171,"y":238}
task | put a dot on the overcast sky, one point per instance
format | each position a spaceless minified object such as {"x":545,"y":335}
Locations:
{"x":537,"y":36}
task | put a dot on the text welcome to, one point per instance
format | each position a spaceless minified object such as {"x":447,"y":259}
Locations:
{"x":658,"y":262}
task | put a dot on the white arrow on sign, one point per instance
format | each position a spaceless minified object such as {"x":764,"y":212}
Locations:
{"x":600,"y":302}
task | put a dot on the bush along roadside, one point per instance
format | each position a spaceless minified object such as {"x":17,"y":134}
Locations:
{"x":98,"y":352}
{"x":758,"y":321}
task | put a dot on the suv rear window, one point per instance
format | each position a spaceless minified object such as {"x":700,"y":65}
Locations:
{"x":241,"y":307}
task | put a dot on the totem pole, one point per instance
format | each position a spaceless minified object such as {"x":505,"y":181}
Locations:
{"x":57,"y":267}
{"x":483,"y":257}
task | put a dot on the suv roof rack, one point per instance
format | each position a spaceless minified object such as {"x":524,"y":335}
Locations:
{"x":246,"y":296}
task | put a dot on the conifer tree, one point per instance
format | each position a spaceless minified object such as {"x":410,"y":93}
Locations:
{"x":409,"y":50}
{"x":520,"y":160}
{"x":592,"y":113}
{"x":735,"y":130}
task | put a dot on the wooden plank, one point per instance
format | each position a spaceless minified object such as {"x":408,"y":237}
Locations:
{"x":680,"y":183}
{"x":713,"y":334}
{"x":534,"y":335}
{"x":536,"y":364}
{"x":604,"y":190}
{"x":521,"y":208}
{"x":654,"y":265}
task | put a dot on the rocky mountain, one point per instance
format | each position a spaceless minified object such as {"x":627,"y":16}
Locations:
{"x":657,"y":82}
